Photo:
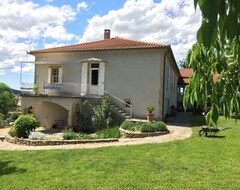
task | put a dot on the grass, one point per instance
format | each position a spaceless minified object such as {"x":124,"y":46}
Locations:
{"x":195,"y":163}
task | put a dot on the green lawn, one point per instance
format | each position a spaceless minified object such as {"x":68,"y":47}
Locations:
{"x":196,"y":163}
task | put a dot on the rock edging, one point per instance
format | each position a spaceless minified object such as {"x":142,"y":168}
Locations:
{"x":138,"y":134}
{"x":29,"y":142}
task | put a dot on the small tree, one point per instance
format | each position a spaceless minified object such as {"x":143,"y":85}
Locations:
{"x":102,"y":114}
{"x":8,"y":101}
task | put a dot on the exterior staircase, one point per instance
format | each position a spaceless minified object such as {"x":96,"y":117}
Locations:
{"x":119,"y":106}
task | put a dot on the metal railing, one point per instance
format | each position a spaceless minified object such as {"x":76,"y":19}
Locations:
{"x":121,"y":105}
{"x":63,"y":89}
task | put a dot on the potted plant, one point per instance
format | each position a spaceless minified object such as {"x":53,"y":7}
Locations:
{"x":150,"y":113}
{"x":36,"y":90}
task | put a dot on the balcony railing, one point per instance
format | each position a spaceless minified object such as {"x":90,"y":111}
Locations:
{"x":63,"y":89}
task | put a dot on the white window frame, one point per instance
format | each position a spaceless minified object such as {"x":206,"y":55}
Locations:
{"x":55,"y":78}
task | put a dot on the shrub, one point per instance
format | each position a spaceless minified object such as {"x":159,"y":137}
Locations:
{"x":2,"y":122}
{"x":127,"y":125}
{"x":36,"y":135}
{"x":108,"y":133}
{"x":69,"y":135}
{"x":160,"y":126}
{"x":147,"y":127}
{"x":102,"y":114}
{"x":12,"y":132}
{"x":14,"y":116}
{"x":24,"y":125}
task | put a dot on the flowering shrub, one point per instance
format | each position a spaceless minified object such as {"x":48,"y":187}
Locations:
{"x":36,"y":135}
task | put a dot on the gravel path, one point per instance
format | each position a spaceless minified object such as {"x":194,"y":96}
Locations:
{"x":177,"y":133}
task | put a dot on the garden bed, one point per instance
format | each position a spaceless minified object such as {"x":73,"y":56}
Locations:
{"x":28,"y":142}
{"x":138,"y":134}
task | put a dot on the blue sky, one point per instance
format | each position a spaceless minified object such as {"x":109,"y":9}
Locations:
{"x":35,"y":24}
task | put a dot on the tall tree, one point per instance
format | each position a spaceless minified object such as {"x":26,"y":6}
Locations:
{"x":217,"y":52}
{"x":8,"y":100}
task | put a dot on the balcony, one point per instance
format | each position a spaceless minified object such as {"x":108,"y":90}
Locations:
{"x":63,"y":89}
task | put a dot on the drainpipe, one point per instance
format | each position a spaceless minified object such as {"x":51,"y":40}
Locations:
{"x":164,"y":67}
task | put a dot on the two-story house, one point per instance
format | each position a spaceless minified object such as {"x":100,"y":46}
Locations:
{"x":132,"y":72}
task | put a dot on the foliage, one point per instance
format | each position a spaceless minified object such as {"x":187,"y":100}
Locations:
{"x":182,"y":63}
{"x":8,"y":100}
{"x":150,"y":108}
{"x":108,"y":133}
{"x":12,"y":132}
{"x":2,"y":121}
{"x":217,"y":52}
{"x":24,"y":125}
{"x":14,"y":116}
{"x":102,"y":114}
{"x":36,"y":135}
{"x":147,"y":127}
{"x":69,"y":135}
{"x":128,"y":125}
{"x":100,"y":134}
{"x":160,"y":126}
{"x":153,"y":127}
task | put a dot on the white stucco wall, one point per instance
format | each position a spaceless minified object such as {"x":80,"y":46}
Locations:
{"x":134,"y":74}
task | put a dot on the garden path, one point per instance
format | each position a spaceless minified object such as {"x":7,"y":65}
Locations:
{"x":179,"y":128}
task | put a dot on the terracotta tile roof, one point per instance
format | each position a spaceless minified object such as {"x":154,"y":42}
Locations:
{"x":186,"y":73}
{"x":107,"y":44}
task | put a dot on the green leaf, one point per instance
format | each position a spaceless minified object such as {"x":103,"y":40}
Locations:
{"x":206,"y":34}
{"x":195,"y":3}
{"x":232,"y":21}
{"x":209,"y":9}
{"x":215,"y":113}
{"x":208,"y":118}
{"x":186,"y":97}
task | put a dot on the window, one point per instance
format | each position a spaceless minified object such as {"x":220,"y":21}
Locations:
{"x":54,"y":75}
{"x":94,"y":74}
{"x":127,"y":103}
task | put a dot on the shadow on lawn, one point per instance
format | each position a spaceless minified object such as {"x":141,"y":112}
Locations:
{"x":215,"y":136}
{"x":5,"y":169}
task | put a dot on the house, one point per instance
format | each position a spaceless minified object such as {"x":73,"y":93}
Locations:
{"x":133,"y":73}
{"x":183,"y":81}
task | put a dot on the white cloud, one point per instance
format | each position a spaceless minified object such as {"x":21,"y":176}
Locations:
{"x":82,"y":5}
{"x":26,"y":25}
{"x":173,"y":22}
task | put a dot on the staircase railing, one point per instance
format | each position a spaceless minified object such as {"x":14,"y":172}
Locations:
{"x":120,"y":104}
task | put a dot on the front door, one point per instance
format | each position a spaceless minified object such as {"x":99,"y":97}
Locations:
{"x":94,"y":79}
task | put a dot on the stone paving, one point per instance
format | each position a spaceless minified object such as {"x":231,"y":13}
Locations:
{"x":179,"y":128}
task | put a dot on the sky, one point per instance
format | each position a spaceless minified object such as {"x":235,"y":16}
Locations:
{"x":36,"y":24}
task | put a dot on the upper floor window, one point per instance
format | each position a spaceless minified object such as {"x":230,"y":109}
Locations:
{"x":55,"y":75}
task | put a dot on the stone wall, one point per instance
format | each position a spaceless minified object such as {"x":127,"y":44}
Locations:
{"x":29,"y":142}
{"x":138,"y":134}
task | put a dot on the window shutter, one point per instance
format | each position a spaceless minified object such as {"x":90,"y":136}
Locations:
{"x":101,"y":78}
{"x":49,"y":75}
{"x":84,"y":78}
{"x":60,"y":73}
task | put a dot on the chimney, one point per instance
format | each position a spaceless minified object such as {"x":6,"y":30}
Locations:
{"x":107,"y":33}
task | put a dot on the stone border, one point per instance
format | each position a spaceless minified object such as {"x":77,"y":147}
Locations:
{"x":138,"y":134}
{"x":29,"y":142}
